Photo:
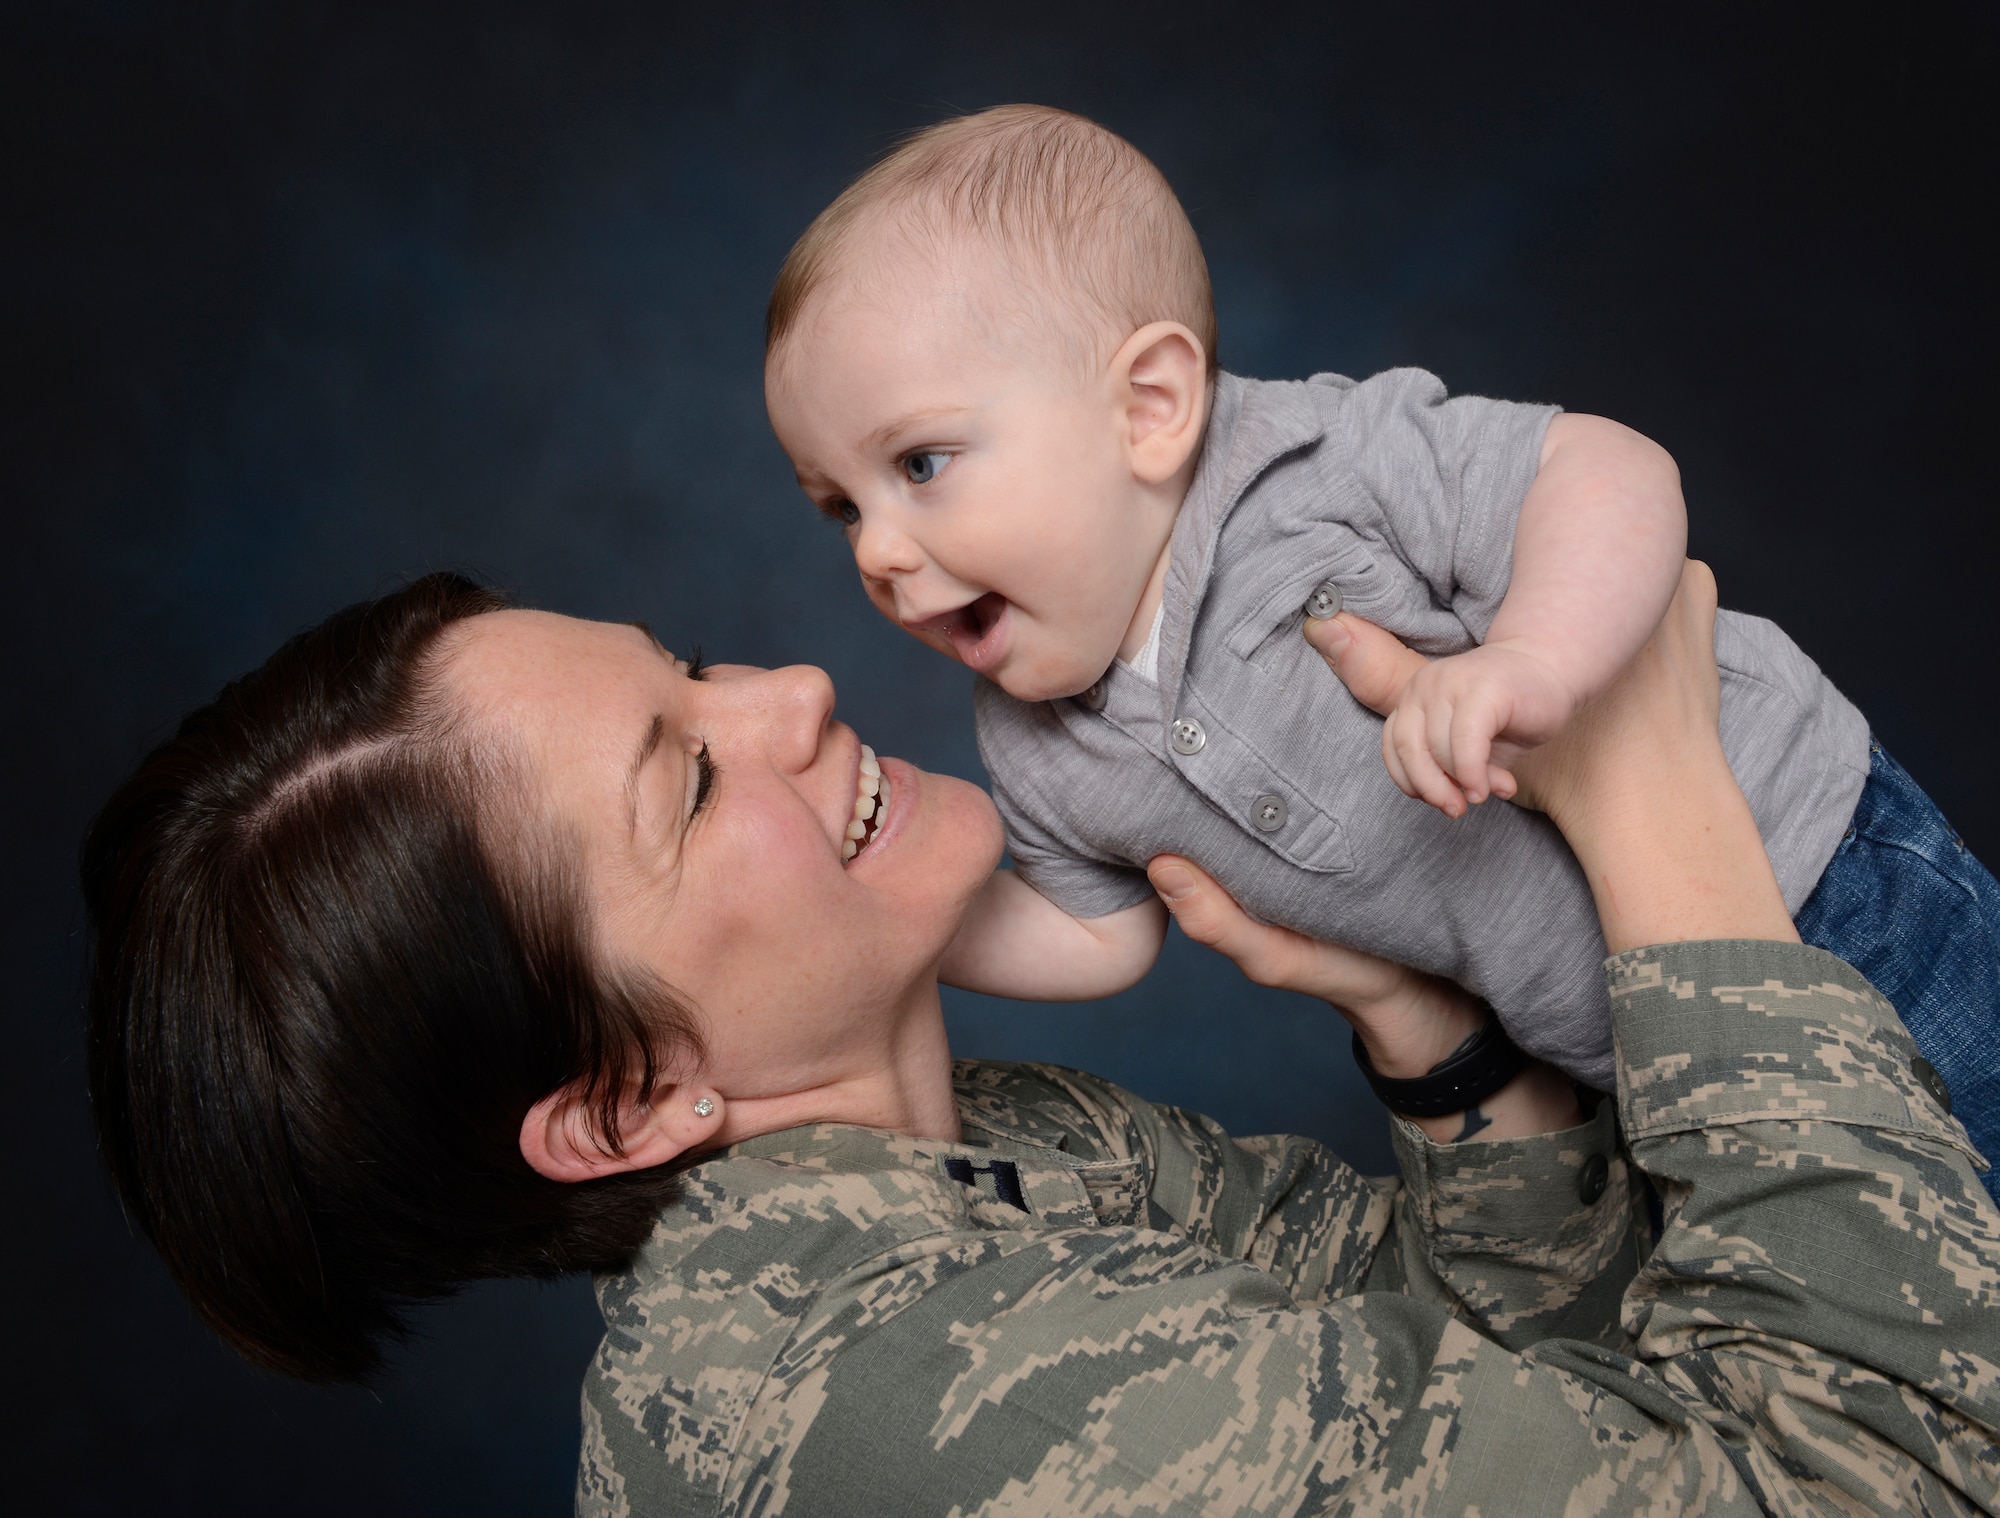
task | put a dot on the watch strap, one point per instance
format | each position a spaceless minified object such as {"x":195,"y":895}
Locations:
{"x":1477,"y":1068}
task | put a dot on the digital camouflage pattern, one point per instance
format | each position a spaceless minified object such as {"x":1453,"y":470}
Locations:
{"x":1099,"y":1306}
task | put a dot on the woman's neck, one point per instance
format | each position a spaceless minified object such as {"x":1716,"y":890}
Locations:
{"x":910,"y":1090}
{"x":899,"y":1080}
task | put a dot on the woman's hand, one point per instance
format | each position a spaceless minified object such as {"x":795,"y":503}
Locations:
{"x":1637,"y":782}
{"x":1407,"y":1020}
{"x":1658,"y":718}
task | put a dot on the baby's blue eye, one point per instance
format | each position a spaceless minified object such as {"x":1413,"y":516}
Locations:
{"x":842,"y":511}
{"x":922,"y":468}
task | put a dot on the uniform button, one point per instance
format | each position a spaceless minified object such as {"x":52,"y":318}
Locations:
{"x":1187,"y":736}
{"x":1268,"y":813}
{"x":1928,"y":1077}
{"x":1592,"y":1179}
{"x":1093,"y":698}
{"x":1324,"y":600}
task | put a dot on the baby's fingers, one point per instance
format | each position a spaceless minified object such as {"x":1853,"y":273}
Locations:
{"x":1392,"y":761}
{"x":1406,"y":748}
{"x":1469,"y":750}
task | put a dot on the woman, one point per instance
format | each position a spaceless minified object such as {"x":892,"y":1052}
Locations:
{"x":462,"y":940}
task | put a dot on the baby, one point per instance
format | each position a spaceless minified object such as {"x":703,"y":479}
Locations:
{"x":991,"y":361}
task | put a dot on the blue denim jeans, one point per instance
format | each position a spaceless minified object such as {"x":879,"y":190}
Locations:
{"x":1906,"y":903}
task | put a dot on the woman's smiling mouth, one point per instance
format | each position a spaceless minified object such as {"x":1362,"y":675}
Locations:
{"x":871,"y":805}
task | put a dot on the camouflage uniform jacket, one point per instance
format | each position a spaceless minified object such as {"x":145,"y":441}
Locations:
{"x":1097,"y":1305}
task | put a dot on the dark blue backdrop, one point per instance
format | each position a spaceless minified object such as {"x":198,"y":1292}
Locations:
{"x":299,"y":303}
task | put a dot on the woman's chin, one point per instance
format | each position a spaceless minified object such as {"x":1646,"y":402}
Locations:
{"x":942,"y":831}
{"x":973,"y":820}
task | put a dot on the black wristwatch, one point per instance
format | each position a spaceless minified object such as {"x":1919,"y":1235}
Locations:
{"x":1463,"y":1078}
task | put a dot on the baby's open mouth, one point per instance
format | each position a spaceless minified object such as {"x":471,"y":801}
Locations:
{"x":871,"y":805}
{"x":969,"y":627}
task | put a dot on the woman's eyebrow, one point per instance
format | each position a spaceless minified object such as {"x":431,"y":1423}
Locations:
{"x":655,"y":731}
{"x":654,"y":639}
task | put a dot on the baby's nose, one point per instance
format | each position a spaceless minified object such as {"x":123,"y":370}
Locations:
{"x":883,"y":553}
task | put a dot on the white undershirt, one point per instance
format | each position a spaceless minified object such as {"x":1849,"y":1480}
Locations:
{"x":1146,"y":662}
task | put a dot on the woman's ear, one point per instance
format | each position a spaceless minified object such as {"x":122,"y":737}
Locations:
{"x":560,"y":1136}
{"x":1161,"y":377}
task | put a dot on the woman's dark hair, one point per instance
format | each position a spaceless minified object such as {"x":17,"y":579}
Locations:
{"x":321,"y":1004}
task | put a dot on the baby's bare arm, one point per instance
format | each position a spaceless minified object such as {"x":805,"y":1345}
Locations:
{"x":1597,"y":552}
{"x":1597,"y":555}
{"x":1016,"y":942}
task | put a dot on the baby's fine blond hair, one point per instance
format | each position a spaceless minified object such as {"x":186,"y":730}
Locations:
{"x":1080,"y":218}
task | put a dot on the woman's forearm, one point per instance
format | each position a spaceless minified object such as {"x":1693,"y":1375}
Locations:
{"x":1643,"y":793}
{"x":1407,"y":1021}
{"x":1677,"y":859}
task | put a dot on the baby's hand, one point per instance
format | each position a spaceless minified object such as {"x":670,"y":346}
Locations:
{"x":1461,"y":721}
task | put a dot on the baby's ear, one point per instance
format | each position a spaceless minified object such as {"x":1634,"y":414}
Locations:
{"x":1161,"y":376}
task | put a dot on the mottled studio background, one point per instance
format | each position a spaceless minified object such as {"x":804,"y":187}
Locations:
{"x":299,"y":299}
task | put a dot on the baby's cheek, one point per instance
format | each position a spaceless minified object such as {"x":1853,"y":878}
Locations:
{"x":881,"y":598}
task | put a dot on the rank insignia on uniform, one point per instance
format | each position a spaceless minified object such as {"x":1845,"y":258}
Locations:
{"x":1006,"y":1177}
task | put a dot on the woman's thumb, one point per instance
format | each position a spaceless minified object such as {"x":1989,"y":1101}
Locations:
{"x":1371,"y":663}
{"x":1179,"y":884}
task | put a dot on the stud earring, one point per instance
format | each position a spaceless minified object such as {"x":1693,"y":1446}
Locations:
{"x":703,"y":1107}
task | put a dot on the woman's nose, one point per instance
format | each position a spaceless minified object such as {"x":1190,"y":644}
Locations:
{"x":786,"y":709}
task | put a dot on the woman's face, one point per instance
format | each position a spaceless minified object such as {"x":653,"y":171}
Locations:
{"x":712,"y":813}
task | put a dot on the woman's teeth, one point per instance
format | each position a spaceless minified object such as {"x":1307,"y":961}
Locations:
{"x":871,"y":806}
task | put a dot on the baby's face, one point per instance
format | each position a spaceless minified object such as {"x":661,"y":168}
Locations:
{"x":984,"y":485}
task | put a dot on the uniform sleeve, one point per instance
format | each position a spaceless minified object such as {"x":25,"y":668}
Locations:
{"x":1525,"y":1238}
{"x":1815,"y":1331}
{"x":1448,"y":475}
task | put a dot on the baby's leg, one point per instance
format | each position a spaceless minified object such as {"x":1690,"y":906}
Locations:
{"x":1906,"y":903}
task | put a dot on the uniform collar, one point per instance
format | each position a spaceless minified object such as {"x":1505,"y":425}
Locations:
{"x":1019,"y":1160}
{"x":1251,"y":425}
